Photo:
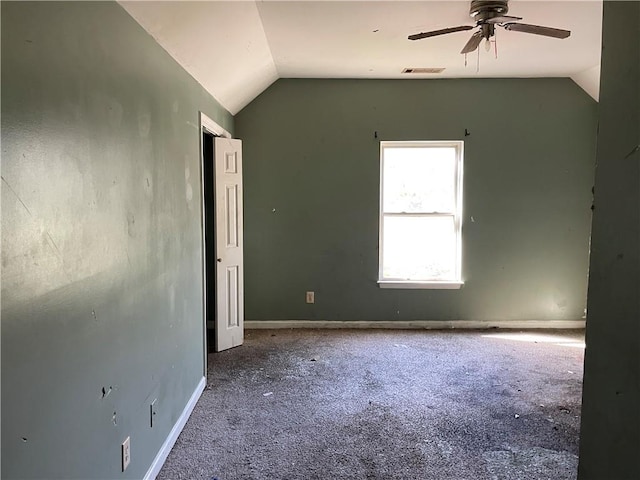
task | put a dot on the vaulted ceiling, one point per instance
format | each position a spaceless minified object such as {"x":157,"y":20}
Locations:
{"x":236,"y":49}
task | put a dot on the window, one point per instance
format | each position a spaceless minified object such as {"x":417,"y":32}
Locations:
{"x":420,"y":214}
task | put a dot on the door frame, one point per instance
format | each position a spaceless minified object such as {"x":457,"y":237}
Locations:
{"x":207,"y":125}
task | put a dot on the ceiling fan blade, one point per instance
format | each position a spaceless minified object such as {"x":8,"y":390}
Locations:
{"x":502,"y":19}
{"x":537,"y":30}
{"x":418,"y":36}
{"x":473,"y":42}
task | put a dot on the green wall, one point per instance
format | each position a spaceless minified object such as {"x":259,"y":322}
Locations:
{"x":311,"y":172}
{"x":610,"y":429}
{"x":101,"y":240}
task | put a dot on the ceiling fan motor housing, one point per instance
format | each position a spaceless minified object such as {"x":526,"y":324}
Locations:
{"x":482,"y":10}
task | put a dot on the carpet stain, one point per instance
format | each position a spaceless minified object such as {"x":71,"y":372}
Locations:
{"x":533,"y":464}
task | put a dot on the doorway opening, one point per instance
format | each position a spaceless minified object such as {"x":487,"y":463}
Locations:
{"x":209,"y":228}
{"x":222,"y":238}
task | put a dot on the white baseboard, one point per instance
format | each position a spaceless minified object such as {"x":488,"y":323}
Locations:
{"x":418,"y":324}
{"x":162,"y":455}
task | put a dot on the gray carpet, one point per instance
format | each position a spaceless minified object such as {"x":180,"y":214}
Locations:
{"x":386,"y":404}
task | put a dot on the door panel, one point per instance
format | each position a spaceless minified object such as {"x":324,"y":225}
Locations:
{"x":229,"y":244}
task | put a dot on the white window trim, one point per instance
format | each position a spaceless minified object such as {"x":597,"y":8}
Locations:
{"x":417,"y":285}
{"x":457,"y":282}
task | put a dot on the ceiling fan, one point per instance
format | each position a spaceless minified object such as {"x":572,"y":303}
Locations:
{"x":488,"y":14}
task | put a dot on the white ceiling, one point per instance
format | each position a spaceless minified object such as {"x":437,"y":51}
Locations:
{"x":236,"y":49}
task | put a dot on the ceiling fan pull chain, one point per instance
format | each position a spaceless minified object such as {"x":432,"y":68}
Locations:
{"x":478,"y":62}
{"x":465,"y":59}
{"x":495,"y":45}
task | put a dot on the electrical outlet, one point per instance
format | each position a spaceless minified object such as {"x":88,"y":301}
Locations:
{"x":152,"y":411}
{"x":311,"y":297}
{"x":126,"y":453}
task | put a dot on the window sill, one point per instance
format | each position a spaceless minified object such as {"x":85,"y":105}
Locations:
{"x":416,"y":285}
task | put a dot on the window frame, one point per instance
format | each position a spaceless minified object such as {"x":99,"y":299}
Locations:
{"x":454,"y":283}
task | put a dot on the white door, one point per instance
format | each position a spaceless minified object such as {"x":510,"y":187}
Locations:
{"x":229,"y":244}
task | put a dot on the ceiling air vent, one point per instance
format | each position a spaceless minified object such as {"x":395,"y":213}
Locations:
{"x":423,"y":70}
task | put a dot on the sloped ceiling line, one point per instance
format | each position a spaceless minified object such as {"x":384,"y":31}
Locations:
{"x":259,"y":10}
